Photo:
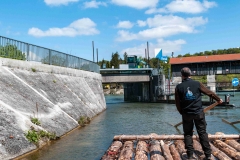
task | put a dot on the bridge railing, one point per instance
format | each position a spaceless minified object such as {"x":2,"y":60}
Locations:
{"x":10,"y":48}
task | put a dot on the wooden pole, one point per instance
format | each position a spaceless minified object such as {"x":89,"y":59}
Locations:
{"x":204,"y":110}
{"x":171,"y":137}
{"x":231,"y":123}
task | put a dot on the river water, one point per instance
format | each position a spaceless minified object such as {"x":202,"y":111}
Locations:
{"x":90,"y":142}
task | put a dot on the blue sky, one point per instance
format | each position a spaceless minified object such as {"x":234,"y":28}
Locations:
{"x":70,"y":26}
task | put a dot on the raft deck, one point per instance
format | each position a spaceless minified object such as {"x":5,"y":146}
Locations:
{"x":170,"y":147}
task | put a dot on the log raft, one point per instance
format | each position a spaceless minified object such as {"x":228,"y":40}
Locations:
{"x":170,"y":147}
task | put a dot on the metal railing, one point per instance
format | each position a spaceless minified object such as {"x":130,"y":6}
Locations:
{"x":14,"y":49}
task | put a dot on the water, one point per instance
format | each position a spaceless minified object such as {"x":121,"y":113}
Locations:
{"x":90,"y":142}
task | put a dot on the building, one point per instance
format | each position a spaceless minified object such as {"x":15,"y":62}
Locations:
{"x":207,"y":65}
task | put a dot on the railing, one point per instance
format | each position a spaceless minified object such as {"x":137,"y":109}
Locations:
{"x":10,"y":48}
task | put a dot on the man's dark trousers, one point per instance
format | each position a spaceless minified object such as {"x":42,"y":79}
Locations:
{"x":200,"y":123}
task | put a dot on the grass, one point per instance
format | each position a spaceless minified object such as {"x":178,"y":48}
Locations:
{"x":33,"y":69}
{"x":83,"y":121}
{"x":36,"y":121}
{"x":34,"y":136}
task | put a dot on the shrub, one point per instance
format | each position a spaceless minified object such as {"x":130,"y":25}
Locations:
{"x":83,"y":121}
{"x":35,"y":121}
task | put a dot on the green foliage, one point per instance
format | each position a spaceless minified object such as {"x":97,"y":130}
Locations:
{"x":115,"y":61}
{"x":35,"y":121}
{"x":55,"y":60}
{"x":227,"y":78}
{"x":35,"y":136}
{"x":11,"y":51}
{"x":202,"y":79}
{"x":54,"y":81}
{"x":83,"y":121}
{"x":214,"y":52}
{"x":32,"y":136}
{"x":33,"y":69}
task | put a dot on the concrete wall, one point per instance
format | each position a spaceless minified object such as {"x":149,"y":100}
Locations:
{"x":57,"y":96}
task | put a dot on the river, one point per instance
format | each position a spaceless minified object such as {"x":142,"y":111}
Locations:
{"x":90,"y":142}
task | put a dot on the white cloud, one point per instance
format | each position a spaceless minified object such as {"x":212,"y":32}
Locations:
{"x":59,"y":2}
{"x":141,"y":23}
{"x":84,"y":26}
{"x":138,"y":4}
{"x":184,"y":6}
{"x":163,"y":26}
{"x":167,"y":47}
{"x":125,"y":24}
{"x":94,"y":4}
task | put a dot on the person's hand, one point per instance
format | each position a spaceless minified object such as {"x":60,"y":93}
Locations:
{"x":220,"y":101}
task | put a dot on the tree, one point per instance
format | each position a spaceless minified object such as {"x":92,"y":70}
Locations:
{"x":11,"y":51}
{"x":125,"y":55}
{"x":115,"y":60}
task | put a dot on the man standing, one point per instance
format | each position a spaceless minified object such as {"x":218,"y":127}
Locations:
{"x":189,"y":104}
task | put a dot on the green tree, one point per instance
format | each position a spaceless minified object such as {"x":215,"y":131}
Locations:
{"x":11,"y":51}
{"x":115,"y":60}
{"x":55,"y":60}
{"x":125,"y":55}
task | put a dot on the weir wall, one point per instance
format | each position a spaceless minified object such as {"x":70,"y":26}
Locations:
{"x":56,"y":96}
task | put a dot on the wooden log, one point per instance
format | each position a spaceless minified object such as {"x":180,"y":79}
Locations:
{"x":141,"y":151}
{"x":113,"y":151}
{"x":166,"y":152}
{"x":155,"y":151}
{"x":198,"y":150}
{"x":219,"y":154}
{"x":180,"y":146}
{"x":233,"y":143}
{"x":127,"y":151}
{"x":231,"y":152}
{"x":174,"y":152}
{"x":172,"y":137}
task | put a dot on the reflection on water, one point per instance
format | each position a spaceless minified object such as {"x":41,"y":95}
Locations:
{"x":90,"y":142}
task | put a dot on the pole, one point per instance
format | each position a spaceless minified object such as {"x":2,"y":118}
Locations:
{"x":93,"y":49}
{"x":97,"y":55}
{"x":148,"y":52}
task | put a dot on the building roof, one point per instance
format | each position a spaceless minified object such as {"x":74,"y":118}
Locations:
{"x":204,"y":59}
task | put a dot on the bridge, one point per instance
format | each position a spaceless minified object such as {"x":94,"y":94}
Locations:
{"x":126,"y":75}
{"x":140,"y":84}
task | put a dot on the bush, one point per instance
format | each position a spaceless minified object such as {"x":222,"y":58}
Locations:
{"x":83,"y":121}
{"x":35,"y":121}
{"x":35,"y":136}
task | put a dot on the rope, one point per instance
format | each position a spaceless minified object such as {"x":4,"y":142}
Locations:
{"x":112,"y":153}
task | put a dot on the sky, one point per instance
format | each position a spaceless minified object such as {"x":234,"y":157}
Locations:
{"x":73,"y":26}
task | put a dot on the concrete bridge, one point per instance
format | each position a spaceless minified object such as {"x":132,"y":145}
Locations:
{"x":126,"y":75}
